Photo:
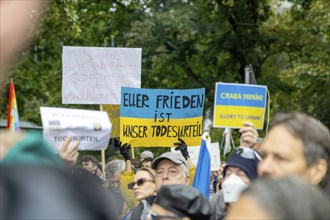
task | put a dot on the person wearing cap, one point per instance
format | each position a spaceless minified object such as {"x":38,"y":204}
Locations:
{"x":240,"y":171}
{"x":171,"y":168}
{"x":177,"y":201}
{"x":147,"y":162}
{"x":176,"y":161}
{"x":183,"y":164}
{"x":146,"y":154}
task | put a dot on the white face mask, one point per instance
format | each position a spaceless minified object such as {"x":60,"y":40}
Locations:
{"x":232,"y":188}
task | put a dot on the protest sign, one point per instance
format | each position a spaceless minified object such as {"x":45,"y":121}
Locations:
{"x":91,"y":128}
{"x":157,"y":117}
{"x":194,"y":154}
{"x":114,"y":113}
{"x":236,"y":103}
{"x":95,"y":75}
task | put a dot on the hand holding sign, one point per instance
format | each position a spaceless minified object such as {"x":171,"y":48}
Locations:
{"x":125,"y":151}
{"x":69,"y":154}
{"x":92,"y":128}
{"x":249,"y":135}
{"x":182,"y":146}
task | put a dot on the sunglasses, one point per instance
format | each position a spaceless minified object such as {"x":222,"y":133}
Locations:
{"x":139,"y":182}
{"x":247,"y":153}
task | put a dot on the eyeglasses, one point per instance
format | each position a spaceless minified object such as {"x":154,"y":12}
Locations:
{"x":139,"y":182}
{"x":247,"y":153}
{"x":154,"y":216}
{"x":171,"y":172}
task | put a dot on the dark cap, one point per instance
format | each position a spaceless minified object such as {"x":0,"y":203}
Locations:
{"x":174,"y":157}
{"x":184,"y":201}
{"x":249,"y":166}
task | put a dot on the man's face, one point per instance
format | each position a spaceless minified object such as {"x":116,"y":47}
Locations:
{"x":239,"y":172}
{"x":146,"y":164}
{"x":89,"y":166}
{"x":114,"y":181}
{"x":168,"y":172}
{"x":282,"y":154}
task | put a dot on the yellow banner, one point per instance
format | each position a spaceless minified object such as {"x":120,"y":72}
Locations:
{"x":148,"y":133}
{"x":234,"y":116}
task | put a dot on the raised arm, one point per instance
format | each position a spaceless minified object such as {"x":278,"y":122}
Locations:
{"x":182,"y":146}
{"x":249,"y":135}
{"x":125,"y":151}
{"x":69,"y":152}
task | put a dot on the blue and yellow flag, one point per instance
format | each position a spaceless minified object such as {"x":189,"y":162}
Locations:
{"x":157,"y":117}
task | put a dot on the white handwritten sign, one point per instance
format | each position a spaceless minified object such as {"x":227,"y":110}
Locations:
{"x":194,"y":154}
{"x":95,"y":75}
{"x":91,"y":128}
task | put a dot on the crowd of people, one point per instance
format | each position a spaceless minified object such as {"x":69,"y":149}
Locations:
{"x":289,"y":178}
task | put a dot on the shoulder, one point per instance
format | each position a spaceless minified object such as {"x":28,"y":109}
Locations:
{"x":137,"y":210}
{"x":218,"y":205}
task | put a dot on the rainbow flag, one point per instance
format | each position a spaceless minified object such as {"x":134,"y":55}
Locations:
{"x":13,"y":118}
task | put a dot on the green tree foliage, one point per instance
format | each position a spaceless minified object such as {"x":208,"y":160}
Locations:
{"x":297,"y":71}
{"x":189,"y":44}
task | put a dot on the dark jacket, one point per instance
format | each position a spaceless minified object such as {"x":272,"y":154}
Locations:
{"x":140,"y":211}
{"x":46,"y":192}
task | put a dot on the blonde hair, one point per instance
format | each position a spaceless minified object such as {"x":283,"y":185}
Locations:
{"x":148,"y":170}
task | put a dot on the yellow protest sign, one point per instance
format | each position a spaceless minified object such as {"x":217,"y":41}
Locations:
{"x":157,"y":117}
{"x":114,"y":113}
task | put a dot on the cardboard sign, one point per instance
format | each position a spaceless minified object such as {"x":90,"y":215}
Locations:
{"x":91,"y":128}
{"x":114,"y":113}
{"x":194,"y":154}
{"x":157,"y":117}
{"x":95,"y":75}
{"x":236,"y":103}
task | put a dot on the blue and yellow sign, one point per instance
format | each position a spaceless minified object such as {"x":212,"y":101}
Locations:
{"x":157,"y":117}
{"x":236,"y":103}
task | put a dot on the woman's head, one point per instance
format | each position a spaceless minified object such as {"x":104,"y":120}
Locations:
{"x":144,"y":183}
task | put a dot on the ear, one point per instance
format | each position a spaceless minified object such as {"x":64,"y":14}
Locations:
{"x":188,"y":180}
{"x":95,"y":166}
{"x":317,"y":171}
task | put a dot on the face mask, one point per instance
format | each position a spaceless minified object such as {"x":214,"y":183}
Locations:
{"x":232,"y":188}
